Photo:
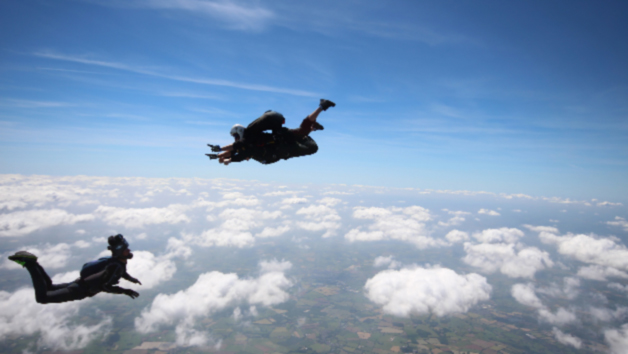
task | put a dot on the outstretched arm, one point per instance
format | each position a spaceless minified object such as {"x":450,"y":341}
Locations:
{"x":112,"y":273}
{"x":118,"y":290}
{"x":227,"y":148}
{"x":131,"y":279}
{"x":226,"y":153}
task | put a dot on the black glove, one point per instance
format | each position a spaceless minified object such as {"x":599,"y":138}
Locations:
{"x":131,"y":293}
{"x":215,"y":148}
{"x":212,"y":156}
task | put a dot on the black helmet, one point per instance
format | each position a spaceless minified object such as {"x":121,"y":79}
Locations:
{"x":117,"y":245}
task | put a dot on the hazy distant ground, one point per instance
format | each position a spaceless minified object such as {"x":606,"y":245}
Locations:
{"x":243,"y":266}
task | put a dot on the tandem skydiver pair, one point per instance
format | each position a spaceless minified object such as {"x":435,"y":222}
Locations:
{"x":97,"y":276}
{"x":253,"y":142}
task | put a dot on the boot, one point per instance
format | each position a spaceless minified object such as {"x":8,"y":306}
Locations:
{"x":326,"y":104}
{"x":317,"y":126}
{"x":23,"y":257}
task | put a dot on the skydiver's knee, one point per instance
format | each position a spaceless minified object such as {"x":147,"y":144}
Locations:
{"x":312,"y":146}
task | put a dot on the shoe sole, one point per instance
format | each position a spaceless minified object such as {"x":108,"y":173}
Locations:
{"x":20,"y":259}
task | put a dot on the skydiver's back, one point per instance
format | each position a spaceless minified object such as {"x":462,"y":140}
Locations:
{"x":270,"y":120}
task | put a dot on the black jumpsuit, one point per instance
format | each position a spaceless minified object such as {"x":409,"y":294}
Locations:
{"x":104,"y":281}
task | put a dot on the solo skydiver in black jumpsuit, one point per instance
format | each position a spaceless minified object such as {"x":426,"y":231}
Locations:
{"x":105,"y":274}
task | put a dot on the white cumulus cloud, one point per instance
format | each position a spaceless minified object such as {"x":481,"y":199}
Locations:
{"x":151,"y":270}
{"x":525,"y":294}
{"x":488,"y":212}
{"x":273,"y":231}
{"x":139,"y":217}
{"x":426,"y":290}
{"x":619,"y":221}
{"x":606,"y":315}
{"x":18,"y":192}
{"x":567,"y":339}
{"x":329,"y":201}
{"x":504,"y":234}
{"x":503,"y":257}
{"x":618,"y":287}
{"x":596,"y":272}
{"x":177,"y":248}
{"x":22,"y":223}
{"x":213,"y":291}
{"x":605,"y":252}
{"x":389,"y":261}
{"x":540,"y":229}
{"x":455,"y":236}
{"x":560,"y":318}
{"x":49,"y":256}
{"x":319,"y":217}
{"x":402,"y":224}
{"x":235,"y":230}
{"x":294,"y":200}
{"x":617,"y":339}
{"x":21,"y":315}
{"x":569,"y":290}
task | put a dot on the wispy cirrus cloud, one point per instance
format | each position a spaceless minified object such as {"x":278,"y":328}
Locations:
{"x":149,"y":72}
{"x":237,"y":15}
{"x":9,"y":102}
{"x":347,"y":18}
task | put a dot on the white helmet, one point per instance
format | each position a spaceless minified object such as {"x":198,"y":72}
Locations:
{"x":237,"y":129}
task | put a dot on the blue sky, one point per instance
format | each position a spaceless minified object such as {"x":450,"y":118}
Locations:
{"x":519,"y":97}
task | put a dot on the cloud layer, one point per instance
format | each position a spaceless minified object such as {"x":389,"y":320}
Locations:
{"x":65,"y":221}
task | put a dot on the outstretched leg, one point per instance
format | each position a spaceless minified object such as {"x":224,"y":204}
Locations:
{"x":45,"y":290}
{"x":312,"y":116}
{"x":53,"y":293}
{"x":309,"y":124}
{"x":39,"y":277}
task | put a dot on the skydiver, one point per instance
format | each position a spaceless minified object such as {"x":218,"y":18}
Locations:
{"x":283,"y":143}
{"x":97,"y":276}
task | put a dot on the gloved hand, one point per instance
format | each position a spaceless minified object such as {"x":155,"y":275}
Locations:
{"x":136,"y":281}
{"x":131,"y":293}
{"x":215,"y":148}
